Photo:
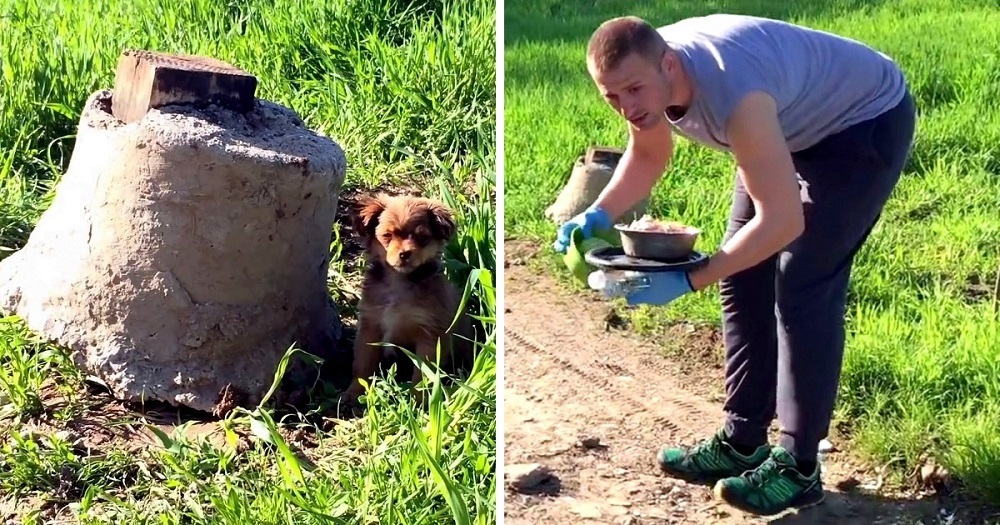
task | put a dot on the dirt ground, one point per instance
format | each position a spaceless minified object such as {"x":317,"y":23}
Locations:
{"x":592,"y":404}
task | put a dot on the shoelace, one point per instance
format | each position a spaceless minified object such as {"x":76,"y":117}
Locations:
{"x":761,"y":474}
{"x":704,"y":445}
{"x":709,"y":446}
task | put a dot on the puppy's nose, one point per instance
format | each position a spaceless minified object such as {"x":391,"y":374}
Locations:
{"x":405,"y":255}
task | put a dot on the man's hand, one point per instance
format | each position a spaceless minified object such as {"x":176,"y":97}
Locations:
{"x":646,"y":157}
{"x":768,"y":174}
{"x":590,"y":220}
{"x":663,"y":289}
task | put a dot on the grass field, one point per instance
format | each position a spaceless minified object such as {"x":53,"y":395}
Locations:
{"x":922,"y":370}
{"x":408,"y":89}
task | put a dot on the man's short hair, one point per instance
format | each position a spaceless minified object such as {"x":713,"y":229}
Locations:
{"x":617,"y":38}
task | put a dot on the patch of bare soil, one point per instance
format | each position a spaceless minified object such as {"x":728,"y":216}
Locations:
{"x":587,"y":406}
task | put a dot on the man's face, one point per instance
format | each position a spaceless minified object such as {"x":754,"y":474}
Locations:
{"x":637,"y":89}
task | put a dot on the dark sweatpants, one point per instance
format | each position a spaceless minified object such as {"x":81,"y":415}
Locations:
{"x":784,"y":318}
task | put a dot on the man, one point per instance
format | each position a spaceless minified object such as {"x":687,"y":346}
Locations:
{"x":819,"y":127}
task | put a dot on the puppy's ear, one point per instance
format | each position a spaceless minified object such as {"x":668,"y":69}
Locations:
{"x":366,"y":214}
{"x":442,"y":220}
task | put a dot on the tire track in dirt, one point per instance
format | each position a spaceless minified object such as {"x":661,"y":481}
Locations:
{"x":674,"y":405}
{"x":566,"y":377}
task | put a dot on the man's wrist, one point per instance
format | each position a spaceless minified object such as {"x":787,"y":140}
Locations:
{"x":602,"y":215}
{"x":702,"y":278}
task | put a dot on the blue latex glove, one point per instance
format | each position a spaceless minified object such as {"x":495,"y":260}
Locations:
{"x":664,"y":288}
{"x":591,"y":219}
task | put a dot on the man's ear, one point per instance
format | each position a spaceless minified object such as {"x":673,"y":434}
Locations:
{"x":367,"y":211}
{"x":667,"y":61}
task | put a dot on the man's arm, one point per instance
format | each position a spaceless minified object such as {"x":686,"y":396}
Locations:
{"x":769,"y":176}
{"x":645,"y":159}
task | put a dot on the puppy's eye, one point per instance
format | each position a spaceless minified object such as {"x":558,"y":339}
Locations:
{"x":421,"y":236}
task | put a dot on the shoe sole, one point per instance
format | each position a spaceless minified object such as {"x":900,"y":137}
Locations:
{"x":795,"y":504}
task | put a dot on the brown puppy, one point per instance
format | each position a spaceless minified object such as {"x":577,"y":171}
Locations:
{"x":406,"y":299}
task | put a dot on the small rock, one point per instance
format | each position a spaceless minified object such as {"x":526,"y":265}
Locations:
{"x":67,"y":436}
{"x":945,"y":517}
{"x":619,"y":502}
{"x":526,"y":476}
{"x":620,"y":472}
{"x":585,"y":509}
{"x":933,"y":474}
{"x":30,"y":434}
{"x":656,"y":513}
{"x":590,"y":442}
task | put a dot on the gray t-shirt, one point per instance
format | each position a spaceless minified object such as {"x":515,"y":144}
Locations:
{"x":823,"y":83}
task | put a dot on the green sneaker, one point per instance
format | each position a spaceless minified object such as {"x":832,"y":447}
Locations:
{"x":772,"y":488}
{"x":709,"y":461}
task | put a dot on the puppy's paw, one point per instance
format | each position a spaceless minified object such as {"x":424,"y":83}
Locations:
{"x":353,"y":392}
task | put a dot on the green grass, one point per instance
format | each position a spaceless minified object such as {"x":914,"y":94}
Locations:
{"x":408,"y":89}
{"x":921,"y":374}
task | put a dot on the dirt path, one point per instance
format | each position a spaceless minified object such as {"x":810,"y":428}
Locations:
{"x":568,"y":380}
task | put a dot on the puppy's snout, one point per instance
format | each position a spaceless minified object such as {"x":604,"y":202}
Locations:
{"x":405,"y":255}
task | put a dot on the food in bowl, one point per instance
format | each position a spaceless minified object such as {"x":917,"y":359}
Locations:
{"x":647,"y":238}
{"x":648,"y":224}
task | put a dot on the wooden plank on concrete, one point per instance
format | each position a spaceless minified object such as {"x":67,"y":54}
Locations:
{"x":149,"y":79}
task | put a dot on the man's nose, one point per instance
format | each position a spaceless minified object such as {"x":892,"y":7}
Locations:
{"x":626,"y":105}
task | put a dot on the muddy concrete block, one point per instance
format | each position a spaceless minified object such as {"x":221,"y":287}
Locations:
{"x":146,"y":80}
{"x":590,"y":174}
{"x":183,"y":254}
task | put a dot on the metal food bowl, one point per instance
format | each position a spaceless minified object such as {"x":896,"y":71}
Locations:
{"x":658,"y":245}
